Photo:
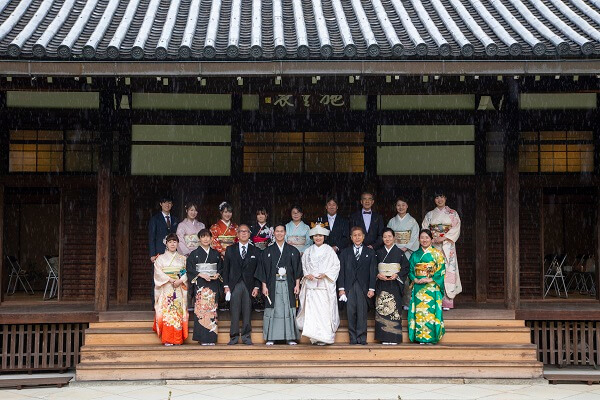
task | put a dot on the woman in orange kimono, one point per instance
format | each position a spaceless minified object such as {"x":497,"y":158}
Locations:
{"x":224,"y":232}
{"x":170,"y":295}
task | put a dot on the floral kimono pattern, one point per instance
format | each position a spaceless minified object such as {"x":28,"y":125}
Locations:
{"x":446,"y":223}
{"x":425,"y":320}
{"x":224,"y":235}
{"x":170,"y":303}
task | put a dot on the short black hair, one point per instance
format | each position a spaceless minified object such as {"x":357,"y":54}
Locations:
{"x":204,"y":232}
{"x":427,"y":232}
{"x":331,"y":198}
{"x":390,"y":230}
{"x":165,"y":198}
{"x":297,"y":207}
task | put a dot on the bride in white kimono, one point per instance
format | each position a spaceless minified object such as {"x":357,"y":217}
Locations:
{"x":444,"y":223}
{"x":318,"y":318}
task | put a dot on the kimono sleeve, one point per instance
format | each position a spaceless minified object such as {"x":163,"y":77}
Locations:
{"x":413,"y":243}
{"x":191,"y":268}
{"x":426,"y":221}
{"x":404,"y":267}
{"x":454,"y":232}
{"x":160,"y":278}
{"x":440,"y":272}
{"x":219,"y":262}
{"x":296,"y":265}
{"x":411,"y":268}
{"x":309,"y":241}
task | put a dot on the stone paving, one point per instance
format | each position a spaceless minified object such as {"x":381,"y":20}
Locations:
{"x":186,"y":390}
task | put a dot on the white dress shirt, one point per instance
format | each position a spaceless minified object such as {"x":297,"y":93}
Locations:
{"x":367,"y":218}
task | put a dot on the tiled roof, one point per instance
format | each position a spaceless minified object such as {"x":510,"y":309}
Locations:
{"x":298,"y":29}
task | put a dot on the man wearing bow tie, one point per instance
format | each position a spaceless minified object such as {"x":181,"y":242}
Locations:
{"x":369,"y":220}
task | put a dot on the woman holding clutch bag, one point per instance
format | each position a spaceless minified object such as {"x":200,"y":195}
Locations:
{"x":204,"y":267}
{"x":427,"y":270}
{"x":393,"y":270}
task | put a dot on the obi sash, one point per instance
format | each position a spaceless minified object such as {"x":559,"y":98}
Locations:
{"x":439,"y":229}
{"x":172,"y":271}
{"x":260,"y":242}
{"x":297,"y":240}
{"x":206,"y":268}
{"x":424,"y":270}
{"x":388,"y":269}
{"x":402,"y":237}
{"x":226,"y":240}
{"x":191,"y":241}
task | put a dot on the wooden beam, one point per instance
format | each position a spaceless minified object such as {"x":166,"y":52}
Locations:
{"x":103,"y":215}
{"x":122,"y":241}
{"x":28,"y":68}
{"x":511,"y":196}
{"x":481,"y":257}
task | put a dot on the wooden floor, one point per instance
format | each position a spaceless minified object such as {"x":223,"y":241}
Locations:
{"x":491,"y":344}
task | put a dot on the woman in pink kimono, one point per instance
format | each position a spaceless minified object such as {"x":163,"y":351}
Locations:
{"x":187,"y":230}
{"x":170,"y":295}
{"x":444,"y":224}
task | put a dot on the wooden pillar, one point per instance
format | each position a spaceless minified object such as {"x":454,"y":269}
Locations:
{"x":511,"y":196}
{"x":103,"y":214}
{"x":370,"y":123}
{"x":597,"y":272}
{"x":481,"y":259}
{"x":1,"y":242}
{"x":122,"y":240}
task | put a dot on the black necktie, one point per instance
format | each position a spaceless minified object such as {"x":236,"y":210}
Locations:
{"x":243,"y":252}
{"x":366,"y":212}
{"x":168,"y":221}
{"x":357,"y":253}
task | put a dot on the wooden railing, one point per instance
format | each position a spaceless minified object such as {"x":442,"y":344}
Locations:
{"x":565,"y":343}
{"x":34,"y":347}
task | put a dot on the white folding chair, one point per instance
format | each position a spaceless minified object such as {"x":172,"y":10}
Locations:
{"x":17,"y":275}
{"x":576,"y":281}
{"x":52,"y":278}
{"x":554,"y":277}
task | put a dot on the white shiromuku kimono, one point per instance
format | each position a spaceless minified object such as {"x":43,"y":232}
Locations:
{"x":406,"y":232}
{"x":445,"y":222}
{"x":318,"y":317}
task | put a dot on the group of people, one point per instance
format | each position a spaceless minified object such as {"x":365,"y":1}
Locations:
{"x":305,"y":273}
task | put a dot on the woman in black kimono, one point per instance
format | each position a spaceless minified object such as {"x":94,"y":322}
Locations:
{"x":204,"y":267}
{"x":393,"y":268}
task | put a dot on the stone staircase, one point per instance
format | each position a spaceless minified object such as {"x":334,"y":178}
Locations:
{"x":122,"y":346}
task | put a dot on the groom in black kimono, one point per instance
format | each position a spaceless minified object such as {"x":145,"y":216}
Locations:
{"x":356,"y":282}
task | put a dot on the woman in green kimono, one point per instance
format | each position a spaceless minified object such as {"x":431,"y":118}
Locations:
{"x":427,"y":270}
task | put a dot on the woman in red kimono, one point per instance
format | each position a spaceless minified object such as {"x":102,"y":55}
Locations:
{"x":224,"y":232}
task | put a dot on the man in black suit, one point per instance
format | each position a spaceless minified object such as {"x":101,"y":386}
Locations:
{"x":338,"y":227}
{"x":239,"y":267}
{"x":370,"y":221}
{"x":161,"y":224}
{"x":356,"y":282}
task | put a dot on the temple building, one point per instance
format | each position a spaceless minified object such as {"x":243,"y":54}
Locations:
{"x":107,"y":105}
